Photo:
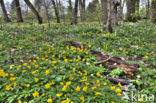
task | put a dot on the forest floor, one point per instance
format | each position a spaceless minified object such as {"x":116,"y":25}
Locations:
{"x":38,"y":64}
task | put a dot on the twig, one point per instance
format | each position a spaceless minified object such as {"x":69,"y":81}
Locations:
{"x":104,"y":60}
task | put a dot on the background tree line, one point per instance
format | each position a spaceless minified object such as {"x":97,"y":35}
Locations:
{"x":107,"y":12}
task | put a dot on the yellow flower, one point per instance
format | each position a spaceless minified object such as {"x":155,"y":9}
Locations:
{"x":85,"y":88}
{"x":47,"y":86}
{"x":105,"y":84}
{"x":19,"y":101}
{"x":53,"y":56}
{"x":47,"y":72}
{"x":37,"y":58}
{"x":12,"y":75}
{"x":12,"y":78}
{"x":8,"y":87}
{"x":52,"y":83}
{"x":112,"y":87}
{"x":61,"y":83}
{"x":54,"y":62}
{"x":66,"y":101}
{"x":43,"y":94}
{"x":36,"y":80}
{"x":120,"y":49}
{"x":65,"y":60}
{"x":24,"y":71}
{"x":118,"y":90}
{"x":34,"y":71}
{"x":29,"y":67}
{"x":12,"y":66}
{"x":83,"y":79}
{"x":68,"y":83}
{"x":64,"y":88}
{"x":86,"y":53}
{"x":118,"y":94}
{"x":119,"y":84}
{"x":77,"y":89}
{"x":146,"y":56}
{"x":49,"y":100}
{"x":25,"y":64}
{"x":87,"y":59}
{"x":97,"y":93}
{"x":28,"y":85}
{"x":15,"y":84}
{"x":71,"y":78}
{"x":18,"y":67}
{"x":82,"y":98}
{"x":87,"y":83}
{"x":59,"y":94}
{"x":36,"y":66}
{"x":98,"y":74}
{"x":43,"y":58}
{"x":140,"y":99}
{"x":90,"y":45}
{"x":34,"y":61}
{"x":98,"y":83}
{"x":94,"y":87}
{"x":35,"y":94}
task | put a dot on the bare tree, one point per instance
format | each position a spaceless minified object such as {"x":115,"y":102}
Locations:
{"x":18,"y":11}
{"x":38,"y":4}
{"x":70,"y":9}
{"x":75,"y":13}
{"x":112,"y":15}
{"x":46,"y":4}
{"x":82,"y":5}
{"x":131,"y":5}
{"x":6,"y":17}
{"x":56,"y":11}
{"x":34,"y":11}
{"x":104,"y":11}
{"x":153,"y":11}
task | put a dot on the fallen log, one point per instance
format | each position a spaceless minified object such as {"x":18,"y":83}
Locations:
{"x":108,"y":61}
{"x":115,"y":80}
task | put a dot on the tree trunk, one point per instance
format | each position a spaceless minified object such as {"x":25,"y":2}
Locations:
{"x":112,"y":15}
{"x":120,"y":10}
{"x":56,"y":11}
{"x":148,"y":9}
{"x":137,"y":9}
{"x":153,"y":11}
{"x":82,"y":9}
{"x":34,"y":11}
{"x":75,"y":13}
{"x":104,"y":11}
{"x":6,"y":17}
{"x":18,"y":11}
{"x":38,"y":4}
{"x":131,"y":10}
{"x":70,"y":7}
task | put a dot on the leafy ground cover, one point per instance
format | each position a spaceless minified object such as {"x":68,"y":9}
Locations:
{"x":36,"y":65}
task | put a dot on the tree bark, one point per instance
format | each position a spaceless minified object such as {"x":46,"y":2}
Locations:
{"x":153,"y":11}
{"x":104,"y":11}
{"x":6,"y":17}
{"x":70,"y":7}
{"x":148,"y":9}
{"x":18,"y":11}
{"x":34,"y":11}
{"x":75,"y":13}
{"x":56,"y":11}
{"x":112,"y":15}
{"x":82,"y":9}
{"x":131,"y":10}
{"x":38,"y":4}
